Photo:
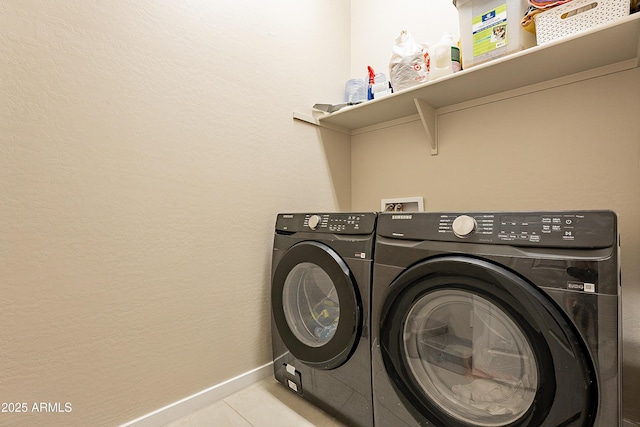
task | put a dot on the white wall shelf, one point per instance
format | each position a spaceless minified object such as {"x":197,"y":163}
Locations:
{"x":605,"y":49}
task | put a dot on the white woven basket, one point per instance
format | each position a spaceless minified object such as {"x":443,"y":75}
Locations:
{"x":576,"y":16}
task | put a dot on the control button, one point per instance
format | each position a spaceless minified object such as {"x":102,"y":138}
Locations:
{"x":463,"y":226}
{"x":314,"y":220}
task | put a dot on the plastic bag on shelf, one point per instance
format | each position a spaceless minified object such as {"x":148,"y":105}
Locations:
{"x":407,"y":66}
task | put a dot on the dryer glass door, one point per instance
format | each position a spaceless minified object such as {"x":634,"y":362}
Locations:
{"x":470,"y":358}
{"x":468,"y":342}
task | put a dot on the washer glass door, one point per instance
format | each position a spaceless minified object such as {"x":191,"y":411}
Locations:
{"x":311,"y":304}
{"x":315,"y":305}
{"x":470,"y":358}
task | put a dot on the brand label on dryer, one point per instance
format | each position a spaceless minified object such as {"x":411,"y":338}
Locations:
{"x":405,"y":216}
{"x":580,"y":286}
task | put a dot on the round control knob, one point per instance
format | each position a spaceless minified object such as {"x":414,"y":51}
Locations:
{"x":464,"y":225}
{"x":314,"y":220}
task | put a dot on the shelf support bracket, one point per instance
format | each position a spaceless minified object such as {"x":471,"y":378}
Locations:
{"x":428,"y":117}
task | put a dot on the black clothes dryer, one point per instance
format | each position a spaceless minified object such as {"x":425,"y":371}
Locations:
{"x":320,"y":303}
{"x":496,"y":319}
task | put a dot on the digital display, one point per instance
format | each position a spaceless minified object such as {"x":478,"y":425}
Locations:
{"x":520,"y":220}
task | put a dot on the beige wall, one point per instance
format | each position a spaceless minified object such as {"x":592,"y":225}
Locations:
{"x":145,"y":149}
{"x":572,"y":147}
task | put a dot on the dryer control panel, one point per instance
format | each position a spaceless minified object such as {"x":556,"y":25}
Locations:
{"x":570,"y":229}
{"x":335,"y":223}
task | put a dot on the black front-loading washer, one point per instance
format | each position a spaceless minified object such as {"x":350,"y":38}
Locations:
{"x":320,"y":302}
{"x":496,"y":319}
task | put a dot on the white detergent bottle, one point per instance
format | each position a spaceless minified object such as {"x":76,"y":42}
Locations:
{"x":440,"y":58}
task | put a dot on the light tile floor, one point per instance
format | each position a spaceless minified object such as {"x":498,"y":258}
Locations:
{"x":264,"y":404}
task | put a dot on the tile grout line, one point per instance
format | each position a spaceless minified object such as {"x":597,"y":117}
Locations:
{"x":237,"y":412}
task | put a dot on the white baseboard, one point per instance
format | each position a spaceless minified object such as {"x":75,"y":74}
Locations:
{"x":199,"y":400}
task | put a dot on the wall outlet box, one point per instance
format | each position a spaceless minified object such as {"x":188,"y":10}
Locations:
{"x":402,"y":204}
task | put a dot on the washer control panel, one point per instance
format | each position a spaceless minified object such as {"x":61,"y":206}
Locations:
{"x":553,"y":229}
{"x":336,"y":223}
